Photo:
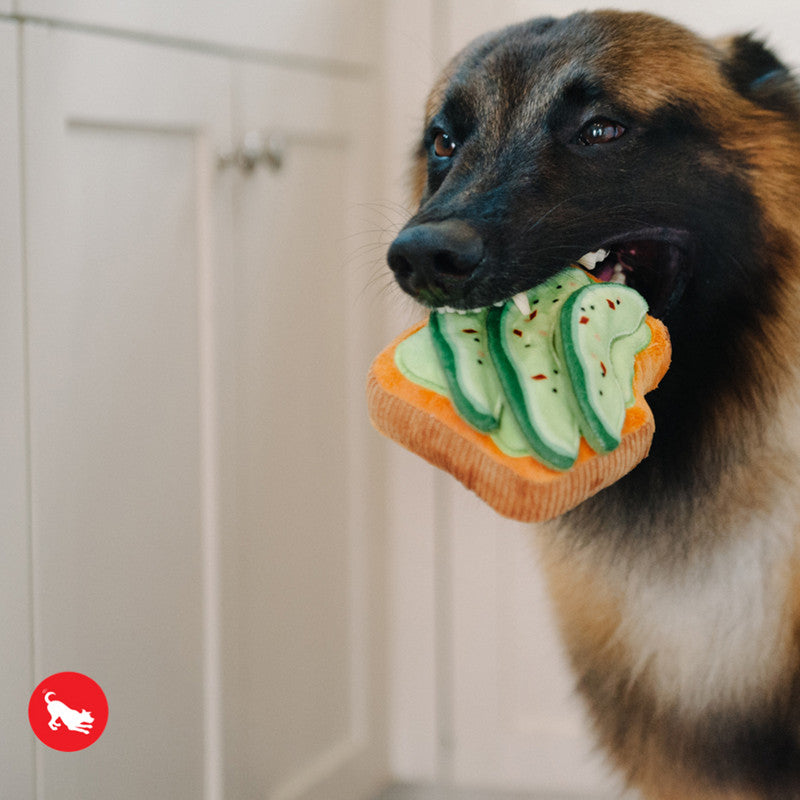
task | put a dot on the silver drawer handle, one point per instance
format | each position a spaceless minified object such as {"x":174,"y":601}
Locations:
{"x":256,"y":148}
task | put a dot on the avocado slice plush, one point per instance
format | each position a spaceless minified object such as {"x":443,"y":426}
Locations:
{"x":460,"y":344}
{"x":536,"y":379}
{"x":535,"y":383}
{"x":599,"y":334}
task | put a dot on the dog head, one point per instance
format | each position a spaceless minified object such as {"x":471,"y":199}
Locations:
{"x":623,"y":141}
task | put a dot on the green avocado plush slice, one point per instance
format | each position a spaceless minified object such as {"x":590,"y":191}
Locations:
{"x":534,"y":381}
{"x":460,"y":344}
{"x":593,"y":326}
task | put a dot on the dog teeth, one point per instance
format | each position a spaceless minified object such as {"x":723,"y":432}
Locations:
{"x":619,"y":275}
{"x":590,"y":260}
{"x":522,"y":303}
{"x":461,"y":311}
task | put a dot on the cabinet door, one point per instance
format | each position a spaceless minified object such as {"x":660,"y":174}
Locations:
{"x":302,"y":609}
{"x":16,"y":751}
{"x":121,"y":217}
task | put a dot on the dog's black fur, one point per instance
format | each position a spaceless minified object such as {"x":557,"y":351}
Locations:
{"x":554,"y":138}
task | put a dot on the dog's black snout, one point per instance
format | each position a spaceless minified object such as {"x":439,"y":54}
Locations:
{"x":424,"y":254}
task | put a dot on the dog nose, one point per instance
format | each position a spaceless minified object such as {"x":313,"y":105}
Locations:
{"x":435,"y":254}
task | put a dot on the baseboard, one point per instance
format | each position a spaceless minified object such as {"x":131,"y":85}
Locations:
{"x":403,"y":791}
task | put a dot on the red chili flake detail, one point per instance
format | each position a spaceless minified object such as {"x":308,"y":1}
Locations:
{"x":469,"y":330}
{"x":611,"y":305}
{"x":533,"y":314}
{"x":583,"y":320}
{"x":517,"y":332}
{"x":539,"y":377}
{"x":603,"y":368}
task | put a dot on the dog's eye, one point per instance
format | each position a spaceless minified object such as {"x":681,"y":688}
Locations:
{"x":443,"y":145}
{"x":600,"y":131}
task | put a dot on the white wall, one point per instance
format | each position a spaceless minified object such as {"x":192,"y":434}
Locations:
{"x":776,"y":20}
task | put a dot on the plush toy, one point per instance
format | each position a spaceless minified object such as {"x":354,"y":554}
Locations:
{"x":535,"y":404}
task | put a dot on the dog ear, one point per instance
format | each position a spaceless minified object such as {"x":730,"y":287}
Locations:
{"x":757,"y":73}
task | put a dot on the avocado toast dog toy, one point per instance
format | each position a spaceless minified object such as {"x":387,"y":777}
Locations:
{"x":535,"y":404}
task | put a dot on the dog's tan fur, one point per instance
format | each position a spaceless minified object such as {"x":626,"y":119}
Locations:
{"x":700,"y":627}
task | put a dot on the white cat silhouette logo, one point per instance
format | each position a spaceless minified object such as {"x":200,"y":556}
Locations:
{"x":77,"y":721}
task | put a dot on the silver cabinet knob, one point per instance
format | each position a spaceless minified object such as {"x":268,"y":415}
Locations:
{"x":256,"y":148}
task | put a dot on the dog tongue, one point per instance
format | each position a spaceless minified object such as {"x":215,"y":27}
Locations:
{"x":605,"y":273}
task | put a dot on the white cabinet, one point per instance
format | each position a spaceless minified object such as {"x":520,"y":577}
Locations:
{"x":205,"y":527}
{"x":121,"y":222}
{"x":315,"y":31}
{"x":302,"y":608}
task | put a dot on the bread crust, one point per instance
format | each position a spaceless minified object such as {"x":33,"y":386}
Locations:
{"x":519,"y":488}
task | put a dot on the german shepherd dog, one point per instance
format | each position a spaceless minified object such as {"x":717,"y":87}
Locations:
{"x":672,"y":163}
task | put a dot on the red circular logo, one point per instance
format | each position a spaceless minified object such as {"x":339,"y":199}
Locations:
{"x":68,"y":711}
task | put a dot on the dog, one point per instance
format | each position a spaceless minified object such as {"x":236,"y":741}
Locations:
{"x":624,"y":142}
{"x":76,"y":721}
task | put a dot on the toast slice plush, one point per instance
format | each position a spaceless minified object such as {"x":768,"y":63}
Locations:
{"x":522,"y":487}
